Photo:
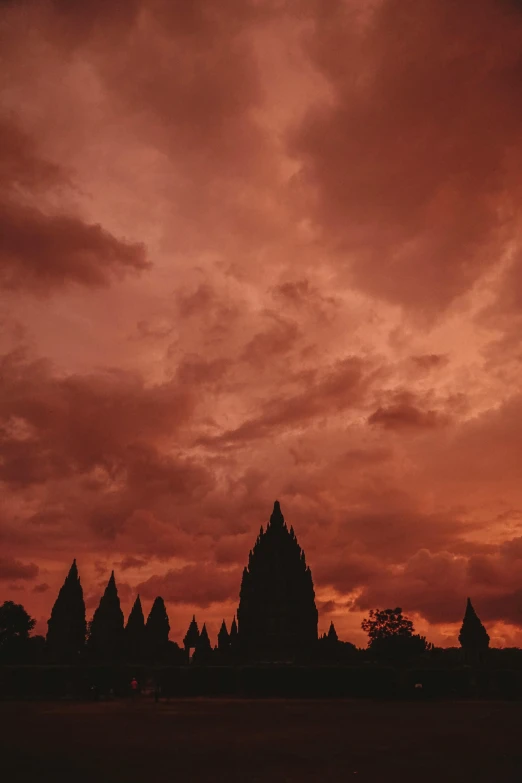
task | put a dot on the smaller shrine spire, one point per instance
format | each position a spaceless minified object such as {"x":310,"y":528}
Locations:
{"x":223,"y":637}
{"x":473,"y":635}
{"x":204,"y":641}
{"x":233,"y":636}
{"x":192,"y":635}
{"x":332,"y":633}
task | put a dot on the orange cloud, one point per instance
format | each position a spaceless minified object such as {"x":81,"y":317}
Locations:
{"x":253,"y":251}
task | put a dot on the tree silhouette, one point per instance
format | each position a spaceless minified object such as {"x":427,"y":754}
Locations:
{"x":67,"y":626}
{"x":392,"y":637}
{"x":157,"y":630}
{"x":473,"y":637}
{"x":383,"y":623}
{"x":36,"y":650}
{"x":134,"y":635}
{"x":106,"y":628}
{"x":15,"y":627}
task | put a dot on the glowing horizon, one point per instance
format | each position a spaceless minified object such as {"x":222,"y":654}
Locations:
{"x":251,"y":251}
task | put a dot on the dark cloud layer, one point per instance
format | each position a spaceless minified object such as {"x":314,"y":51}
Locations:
{"x":40,"y":251}
{"x":340,"y":388}
{"x":404,"y":415}
{"x":54,"y":427}
{"x":14,"y":569}
{"x":413,"y":161}
{"x":200,"y":585}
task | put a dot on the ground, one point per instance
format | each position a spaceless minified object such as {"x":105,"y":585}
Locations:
{"x":272,"y":741}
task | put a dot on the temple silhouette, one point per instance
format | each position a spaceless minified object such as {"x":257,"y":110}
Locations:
{"x":277,"y":616}
{"x":277,"y":623}
{"x":277,"y":619}
{"x":270,"y":649}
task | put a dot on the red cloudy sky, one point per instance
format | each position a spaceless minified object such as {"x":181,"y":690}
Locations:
{"x":260,"y":249}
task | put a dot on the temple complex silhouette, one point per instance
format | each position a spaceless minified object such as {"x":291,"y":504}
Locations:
{"x":277,"y":619}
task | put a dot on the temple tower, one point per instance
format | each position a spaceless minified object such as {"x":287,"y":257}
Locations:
{"x":277,"y":615}
{"x":190,"y":642}
{"x":473,"y":637}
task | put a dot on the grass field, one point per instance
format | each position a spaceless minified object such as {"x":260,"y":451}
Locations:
{"x":252,"y":741}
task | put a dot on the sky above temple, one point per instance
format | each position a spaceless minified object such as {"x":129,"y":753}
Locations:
{"x":254,"y":250}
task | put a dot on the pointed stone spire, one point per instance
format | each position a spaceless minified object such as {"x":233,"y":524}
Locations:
{"x":473,"y":636}
{"x":67,"y":626}
{"x":233,"y":631}
{"x":192,"y":635}
{"x":203,"y":652}
{"x":135,"y":633}
{"x":106,"y":631}
{"x":157,"y":630}
{"x":136,"y":618}
{"x":204,"y":641}
{"x":277,"y":519}
{"x":223,"y":637}
{"x":332,"y":633}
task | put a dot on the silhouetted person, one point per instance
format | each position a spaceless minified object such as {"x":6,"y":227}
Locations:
{"x":134,"y":688}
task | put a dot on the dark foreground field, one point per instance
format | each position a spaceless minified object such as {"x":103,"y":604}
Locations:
{"x":248,"y":741}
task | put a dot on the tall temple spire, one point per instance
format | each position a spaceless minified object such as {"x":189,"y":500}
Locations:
{"x":107,"y":629}
{"x":192,"y":635}
{"x":277,"y":615}
{"x":277,"y":518}
{"x":134,"y":633}
{"x":67,"y":625}
{"x":223,"y":637}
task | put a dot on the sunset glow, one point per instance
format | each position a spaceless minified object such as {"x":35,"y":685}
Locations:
{"x":250,"y":250}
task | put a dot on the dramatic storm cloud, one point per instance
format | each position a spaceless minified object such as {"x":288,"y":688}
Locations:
{"x":258,"y":250}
